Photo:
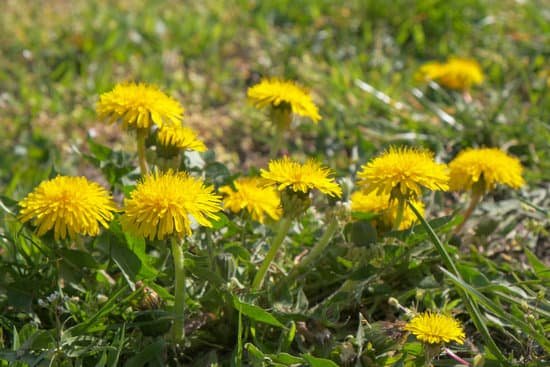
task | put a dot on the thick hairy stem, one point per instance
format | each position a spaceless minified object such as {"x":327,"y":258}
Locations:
{"x":476,"y":198}
{"x":315,"y":252}
{"x":141,"y":136}
{"x":277,"y":142}
{"x":281,"y":116}
{"x":399,"y":216}
{"x":284,"y":227}
{"x":179,"y":290}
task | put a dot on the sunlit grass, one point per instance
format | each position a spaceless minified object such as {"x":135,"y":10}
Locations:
{"x":339,"y":285}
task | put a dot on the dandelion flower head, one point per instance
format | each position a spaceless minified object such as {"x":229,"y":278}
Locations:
{"x":456,"y":73}
{"x":162,"y":204}
{"x":287,"y":173}
{"x":429,"y":71}
{"x":253,"y":195}
{"x":402,"y":172}
{"x":485,"y":167}
{"x":180,"y":137}
{"x":278,"y":93}
{"x":69,"y":205}
{"x":381,"y":204}
{"x":139,"y":106}
{"x":434,"y":328}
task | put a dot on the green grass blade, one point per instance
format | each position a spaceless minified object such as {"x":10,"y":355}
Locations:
{"x":497,"y":310}
{"x":470,"y":304}
{"x":447,"y":259}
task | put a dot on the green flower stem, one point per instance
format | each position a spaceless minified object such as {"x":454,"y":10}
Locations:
{"x":469,"y":303}
{"x":399,"y":215}
{"x":315,"y":252}
{"x":179,"y":307}
{"x":284,"y":227}
{"x":141,"y":136}
{"x":476,"y":198}
{"x":277,"y":142}
{"x":430,"y":352}
{"x":281,"y":117}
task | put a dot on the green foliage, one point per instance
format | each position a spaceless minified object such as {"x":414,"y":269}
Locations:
{"x":108,"y":301}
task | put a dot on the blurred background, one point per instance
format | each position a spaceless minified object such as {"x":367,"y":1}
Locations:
{"x":56,"y":57}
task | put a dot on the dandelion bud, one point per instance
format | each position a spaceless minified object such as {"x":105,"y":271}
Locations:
{"x":394,"y":302}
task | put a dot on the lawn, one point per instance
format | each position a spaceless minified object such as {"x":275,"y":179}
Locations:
{"x":307,"y":270}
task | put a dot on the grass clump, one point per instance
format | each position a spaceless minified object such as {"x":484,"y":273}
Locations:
{"x":318,"y":229}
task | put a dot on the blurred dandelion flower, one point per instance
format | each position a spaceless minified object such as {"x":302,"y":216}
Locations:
{"x":380,"y":204}
{"x":253,"y":195}
{"x":69,"y":205}
{"x":287,"y":173}
{"x":434,"y":328}
{"x":429,"y":71}
{"x":482,"y":169}
{"x":284,"y":94}
{"x":139,"y":106}
{"x":180,"y":137}
{"x":162,"y":204}
{"x":401,"y":172}
{"x":456,"y":73}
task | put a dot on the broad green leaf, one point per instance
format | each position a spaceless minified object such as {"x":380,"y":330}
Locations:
{"x":238,"y":251}
{"x":472,"y":275}
{"x":100,"y":152}
{"x":127,"y":261}
{"x":540,"y":269}
{"x":217,"y":173}
{"x":128,"y":252}
{"x":39,"y":340}
{"x":78,"y":258}
{"x":254,"y":351}
{"x":151,"y":355}
{"x":7,"y":204}
{"x":137,"y":246}
{"x":414,"y":348}
{"x":361,"y":233}
{"x":363,"y":216}
{"x":221,"y":222}
{"x":318,"y":362}
{"x":256,"y":313}
{"x":287,"y":359}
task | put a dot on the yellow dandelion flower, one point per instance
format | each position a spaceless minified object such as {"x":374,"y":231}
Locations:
{"x":163,"y":204}
{"x":280,"y":93}
{"x":69,"y":205}
{"x":253,"y":195}
{"x":456,"y":73}
{"x":287,"y":173}
{"x":180,"y":137}
{"x":401,"y":172}
{"x":380,"y":204}
{"x":434,"y":328}
{"x":485,"y":168}
{"x":460,"y":74}
{"x":139,"y":106}
{"x":429,"y":71}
